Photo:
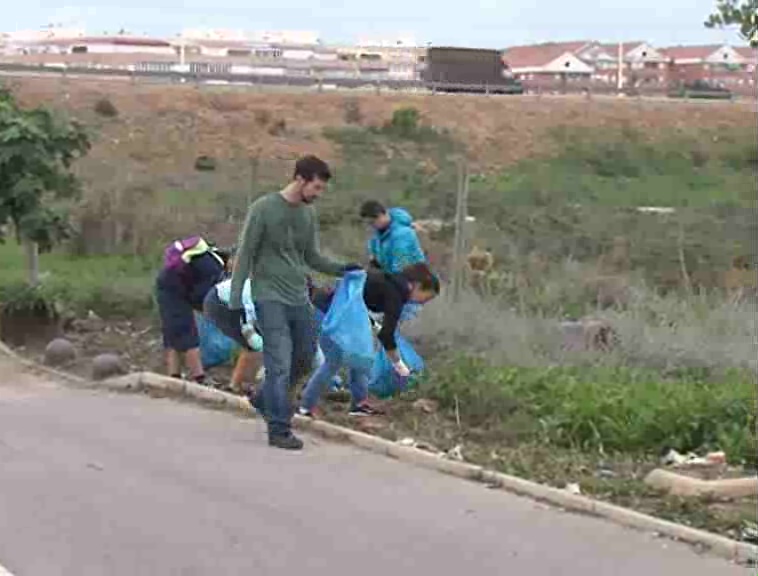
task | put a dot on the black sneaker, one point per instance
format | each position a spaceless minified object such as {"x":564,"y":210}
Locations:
{"x":288,"y":442}
{"x":364,"y":409}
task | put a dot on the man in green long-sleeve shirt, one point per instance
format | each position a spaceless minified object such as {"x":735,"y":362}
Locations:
{"x":277,"y":247}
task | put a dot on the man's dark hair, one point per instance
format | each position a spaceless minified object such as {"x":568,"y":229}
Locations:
{"x":372,"y":209}
{"x":421,"y":274}
{"x":311,"y":167}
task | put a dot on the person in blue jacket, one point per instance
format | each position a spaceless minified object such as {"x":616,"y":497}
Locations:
{"x":394,"y":245}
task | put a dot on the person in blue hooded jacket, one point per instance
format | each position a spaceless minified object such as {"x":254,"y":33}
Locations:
{"x":394,"y":245}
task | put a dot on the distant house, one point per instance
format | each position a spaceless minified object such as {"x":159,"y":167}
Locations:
{"x":642,"y":65}
{"x":722,"y":65}
{"x":57,"y":48}
{"x":553,"y":65}
{"x":116,"y":44}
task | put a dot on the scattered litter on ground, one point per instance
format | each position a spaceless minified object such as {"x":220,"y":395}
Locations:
{"x":425,"y":405}
{"x":573,"y":489}
{"x":605,"y":473}
{"x":750,"y":532}
{"x":677,"y":460}
{"x":455,"y":453}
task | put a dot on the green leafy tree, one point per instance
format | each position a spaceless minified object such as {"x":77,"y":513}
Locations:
{"x":37,"y":149}
{"x":741,"y":13}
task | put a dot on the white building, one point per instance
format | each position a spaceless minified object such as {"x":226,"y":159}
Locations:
{"x":286,"y":37}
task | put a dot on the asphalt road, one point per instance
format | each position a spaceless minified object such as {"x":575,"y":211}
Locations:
{"x":93,"y":483}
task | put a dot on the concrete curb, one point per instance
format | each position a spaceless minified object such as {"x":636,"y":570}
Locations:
{"x":681,"y":485}
{"x":153,"y":383}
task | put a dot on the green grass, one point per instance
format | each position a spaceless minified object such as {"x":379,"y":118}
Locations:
{"x":603,"y":409}
{"x":108,"y":285}
{"x":395,"y":163}
{"x":624,"y":169}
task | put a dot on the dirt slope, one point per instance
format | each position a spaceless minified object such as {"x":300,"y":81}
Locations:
{"x":159,"y":123}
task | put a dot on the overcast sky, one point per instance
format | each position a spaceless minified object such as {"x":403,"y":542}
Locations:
{"x":485,"y":23}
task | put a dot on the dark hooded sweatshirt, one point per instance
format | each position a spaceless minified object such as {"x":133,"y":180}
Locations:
{"x":383,"y":294}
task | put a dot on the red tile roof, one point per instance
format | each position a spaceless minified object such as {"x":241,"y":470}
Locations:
{"x":539,"y":54}
{"x":748,"y":52}
{"x":690,"y":52}
{"x":613,"y":48}
{"x":214,"y":43}
{"x":115,"y":40}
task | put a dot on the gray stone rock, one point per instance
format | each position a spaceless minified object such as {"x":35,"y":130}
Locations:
{"x":588,"y":334}
{"x":107,"y":366}
{"x":59,"y":352}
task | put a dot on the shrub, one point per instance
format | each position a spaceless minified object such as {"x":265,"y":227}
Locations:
{"x":278,"y":128}
{"x":262,"y":117}
{"x":353,"y":113}
{"x":205,"y":164}
{"x":104,"y":107}
{"x":604,"y":409}
{"x":405,"y":121}
{"x":108,"y":285}
{"x":672,"y":334}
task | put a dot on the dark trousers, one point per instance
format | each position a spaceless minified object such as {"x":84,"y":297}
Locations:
{"x":289,"y":347}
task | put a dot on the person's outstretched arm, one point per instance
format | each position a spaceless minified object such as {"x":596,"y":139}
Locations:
{"x":318,"y":261}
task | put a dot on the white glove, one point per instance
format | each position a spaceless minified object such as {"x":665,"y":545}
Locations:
{"x":401,"y":369}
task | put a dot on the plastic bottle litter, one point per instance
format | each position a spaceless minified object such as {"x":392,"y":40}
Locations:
{"x":573,"y":489}
{"x":716,"y":458}
{"x":677,"y":460}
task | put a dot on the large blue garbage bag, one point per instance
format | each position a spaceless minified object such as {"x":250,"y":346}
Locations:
{"x":216,"y":348}
{"x":346,"y":328}
{"x":385,"y":381}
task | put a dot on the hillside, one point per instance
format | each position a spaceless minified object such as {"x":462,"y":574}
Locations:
{"x":165,"y":127}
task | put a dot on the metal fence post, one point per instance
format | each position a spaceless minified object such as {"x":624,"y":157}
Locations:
{"x":461,"y":211}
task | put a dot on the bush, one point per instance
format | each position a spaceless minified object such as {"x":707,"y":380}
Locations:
{"x":604,"y":409}
{"x":405,"y":121}
{"x":353,"y":113}
{"x":110,"y":286}
{"x":262,"y":117}
{"x":19,"y":297}
{"x":205,"y":164}
{"x":278,"y":128}
{"x":104,"y":107}
{"x":671,"y":334}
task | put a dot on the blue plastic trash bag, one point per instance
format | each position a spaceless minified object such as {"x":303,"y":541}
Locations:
{"x":410,"y":311}
{"x":216,"y":348}
{"x":346,"y":328}
{"x":385,"y":381}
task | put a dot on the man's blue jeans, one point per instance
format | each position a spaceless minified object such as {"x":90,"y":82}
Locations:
{"x":289,"y":346}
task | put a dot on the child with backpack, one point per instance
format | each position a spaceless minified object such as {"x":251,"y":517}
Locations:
{"x":191,"y":268}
